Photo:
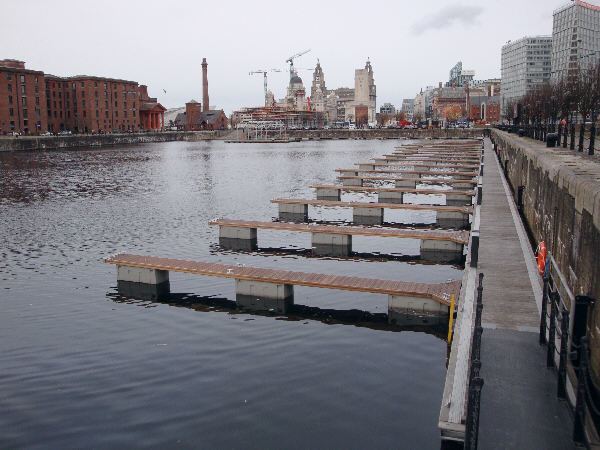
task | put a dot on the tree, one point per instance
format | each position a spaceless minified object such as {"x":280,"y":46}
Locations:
{"x":452,"y":113}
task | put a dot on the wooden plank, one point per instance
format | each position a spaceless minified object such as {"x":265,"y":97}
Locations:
{"x":411,"y":207}
{"x":460,"y":237}
{"x":448,"y":180}
{"x":473,"y":173}
{"x":439,"y":292}
{"x":384,"y":189}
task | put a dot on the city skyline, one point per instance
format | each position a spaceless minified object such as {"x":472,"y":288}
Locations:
{"x":406,"y":54}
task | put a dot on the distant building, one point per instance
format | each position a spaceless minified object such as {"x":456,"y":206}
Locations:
{"x":449,"y":103}
{"x":419,"y":107}
{"x":575,"y":42}
{"x":387,"y":108}
{"x":318,"y":90}
{"x":459,"y":76}
{"x":32,"y":102}
{"x":408,"y":105}
{"x":525,"y":64}
{"x":198,"y":117}
{"x":195,"y":119}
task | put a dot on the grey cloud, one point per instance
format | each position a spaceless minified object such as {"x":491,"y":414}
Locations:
{"x":448,"y":16}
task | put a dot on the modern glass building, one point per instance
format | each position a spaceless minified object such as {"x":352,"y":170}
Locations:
{"x":575,"y":38}
{"x":525,"y":64}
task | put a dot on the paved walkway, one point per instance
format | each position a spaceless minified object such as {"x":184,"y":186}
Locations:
{"x":519,"y":408}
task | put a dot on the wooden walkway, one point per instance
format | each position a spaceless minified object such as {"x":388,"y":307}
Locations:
{"x":440,"y":292}
{"x":409,"y":207}
{"x":431,"y":179}
{"x":384,"y":189}
{"x":519,"y":407}
{"x":459,"y":237}
{"x":420,"y":164}
{"x":413,"y":172}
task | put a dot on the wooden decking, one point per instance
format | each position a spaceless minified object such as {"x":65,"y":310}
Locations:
{"x":459,"y":237}
{"x":431,"y":179}
{"x":413,"y":172}
{"x":384,"y":189}
{"x":421,"y":164}
{"x":408,"y":207}
{"x":440,"y":292}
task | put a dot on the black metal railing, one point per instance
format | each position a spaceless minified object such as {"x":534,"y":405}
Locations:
{"x":475,"y":380}
{"x":569,"y":350}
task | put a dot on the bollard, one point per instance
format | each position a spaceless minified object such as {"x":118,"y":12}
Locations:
{"x":474,"y":248}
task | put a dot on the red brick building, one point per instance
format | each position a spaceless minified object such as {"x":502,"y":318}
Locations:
{"x":195,"y":119}
{"x":22,"y":98}
{"x":81,"y":104}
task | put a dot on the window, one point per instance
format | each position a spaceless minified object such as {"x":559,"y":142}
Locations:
{"x":24,"y":101}
{"x":84,"y":114}
{"x":37,"y":100}
{"x":22,"y":78}
{"x":82,"y":104}
{"x":23,"y":89}
{"x":95,"y":84}
{"x":9,"y":76}
{"x":10,"y":99}
{"x":11,"y":111}
{"x":82,"y":84}
{"x":25,"y":113}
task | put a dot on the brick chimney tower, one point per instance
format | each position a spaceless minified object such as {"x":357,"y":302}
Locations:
{"x":205,"y":103}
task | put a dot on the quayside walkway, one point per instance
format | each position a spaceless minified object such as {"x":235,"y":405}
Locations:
{"x":519,"y":408}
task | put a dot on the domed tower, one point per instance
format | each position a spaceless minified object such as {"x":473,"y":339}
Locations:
{"x":296,"y":95}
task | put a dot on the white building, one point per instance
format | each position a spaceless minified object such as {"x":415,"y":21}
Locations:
{"x":575,"y":38}
{"x":408,"y":105}
{"x":525,"y":64}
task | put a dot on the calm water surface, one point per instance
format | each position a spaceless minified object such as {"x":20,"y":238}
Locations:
{"x":81,"y":366}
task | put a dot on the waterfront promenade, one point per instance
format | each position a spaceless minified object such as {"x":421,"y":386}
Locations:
{"x":519,"y":407}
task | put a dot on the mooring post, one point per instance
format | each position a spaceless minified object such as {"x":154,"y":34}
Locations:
{"x":474,"y":248}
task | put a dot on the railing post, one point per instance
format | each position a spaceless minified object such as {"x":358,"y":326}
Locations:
{"x":551,"y":333}
{"x":579,"y":420}
{"x":473,"y":407}
{"x":592,"y":137}
{"x":562,"y":366}
{"x":572,"y":142}
{"x":543,"y":322}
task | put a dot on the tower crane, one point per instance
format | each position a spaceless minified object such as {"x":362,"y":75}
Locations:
{"x":264,"y":72}
{"x":291,"y":61}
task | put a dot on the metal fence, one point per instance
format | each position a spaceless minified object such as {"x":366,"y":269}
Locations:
{"x":563,"y":328}
{"x":475,"y":380}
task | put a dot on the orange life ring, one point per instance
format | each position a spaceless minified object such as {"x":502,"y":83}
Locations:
{"x":541,"y":257}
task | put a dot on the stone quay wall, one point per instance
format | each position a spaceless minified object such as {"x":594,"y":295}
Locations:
{"x":561,"y":206}
{"x":100,"y":140}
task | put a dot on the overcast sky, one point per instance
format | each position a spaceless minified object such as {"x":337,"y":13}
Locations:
{"x":411,"y":44}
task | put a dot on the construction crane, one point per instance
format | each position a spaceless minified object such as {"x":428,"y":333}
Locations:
{"x":291,"y":61}
{"x":264,"y":72}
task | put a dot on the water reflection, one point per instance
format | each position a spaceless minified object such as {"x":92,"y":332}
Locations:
{"x":392,"y":321}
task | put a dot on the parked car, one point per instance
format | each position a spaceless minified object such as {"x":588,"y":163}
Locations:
{"x":46,"y":133}
{"x":64,"y":132}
